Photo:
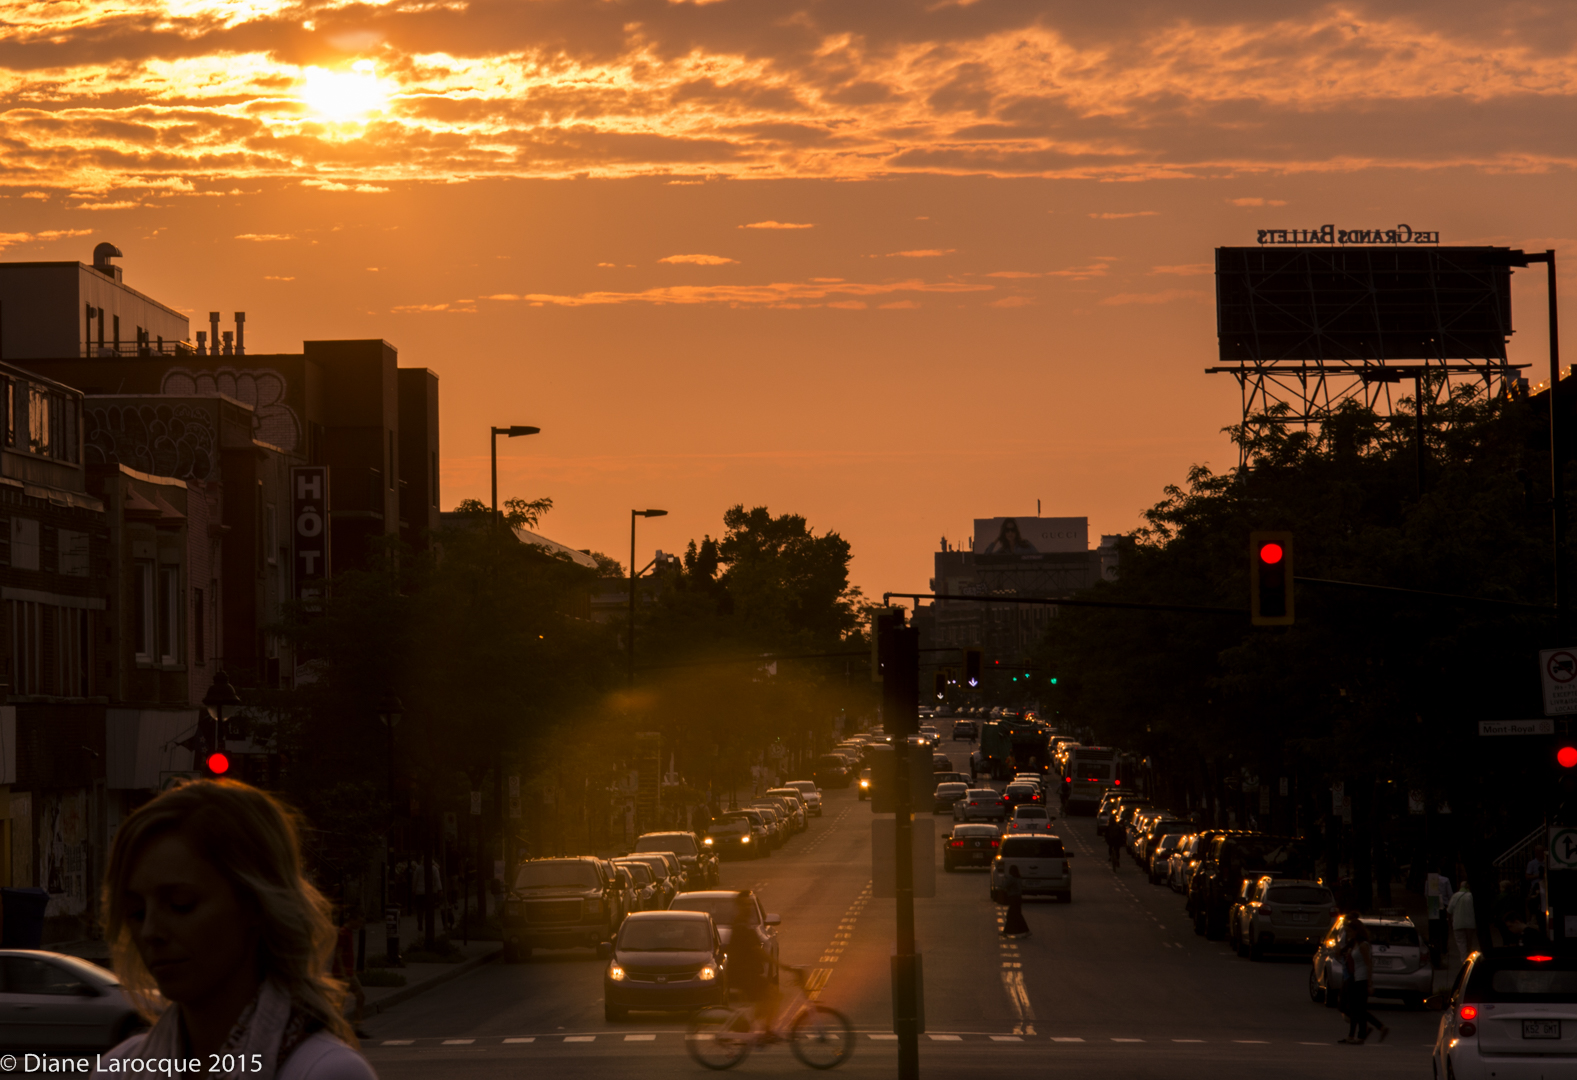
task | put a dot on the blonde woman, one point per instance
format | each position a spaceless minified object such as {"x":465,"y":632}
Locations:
{"x":221,"y":941}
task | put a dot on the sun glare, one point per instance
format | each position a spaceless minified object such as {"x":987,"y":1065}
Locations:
{"x":345,"y":95}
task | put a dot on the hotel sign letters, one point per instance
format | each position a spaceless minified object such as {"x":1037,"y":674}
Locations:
{"x":309,"y":517}
{"x":1330,"y":234}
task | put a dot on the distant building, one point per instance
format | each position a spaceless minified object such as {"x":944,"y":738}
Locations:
{"x":51,"y":310}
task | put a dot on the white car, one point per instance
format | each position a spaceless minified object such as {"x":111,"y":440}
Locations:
{"x":811,"y":794}
{"x":981,"y":804}
{"x":52,"y":1001}
{"x":1512,"y":1016}
{"x":1030,"y":819}
{"x":1042,"y":863}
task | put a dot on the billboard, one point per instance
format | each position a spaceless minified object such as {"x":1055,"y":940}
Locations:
{"x":309,"y":515}
{"x":1361,"y":304}
{"x":1026,"y":537}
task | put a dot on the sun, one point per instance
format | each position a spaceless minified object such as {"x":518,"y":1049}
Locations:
{"x":345,"y":95}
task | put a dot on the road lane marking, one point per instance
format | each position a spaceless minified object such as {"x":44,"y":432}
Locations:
{"x":877,"y":1035}
{"x":398,"y":1042}
{"x":1006,"y":1038}
{"x":458,"y":1042}
{"x":946,"y":1038}
{"x":639,"y":1038}
{"x":580,"y":1038}
{"x":1066,"y":1038}
{"x":1127,"y":1040}
{"x":1188,"y":1040}
{"x":1252,"y":1042}
{"x":532,"y":1039}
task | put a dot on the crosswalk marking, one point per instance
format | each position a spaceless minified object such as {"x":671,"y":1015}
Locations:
{"x":1007,"y":1038}
{"x":458,"y":1042}
{"x":532,"y":1039}
{"x":398,"y":1042}
{"x":639,"y":1038}
{"x":946,"y":1038}
{"x":580,"y":1038}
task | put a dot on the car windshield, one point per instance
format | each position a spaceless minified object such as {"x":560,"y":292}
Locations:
{"x":1023,"y":812}
{"x":721,"y":908}
{"x":1032,"y":847}
{"x":658,"y":866}
{"x":639,"y":871}
{"x":1303,"y":894}
{"x":975,"y":830}
{"x":982,"y":793}
{"x":557,"y":875}
{"x":950,"y":789}
{"x":665,"y":935}
{"x":1520,"y":978}
{"x":679,"y":843}
{"x":731,"y":826}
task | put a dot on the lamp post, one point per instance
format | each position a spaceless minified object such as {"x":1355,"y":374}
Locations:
{"x":390,"y":709}
{"x":511,"y":433}
{"x":220,"y":697}
{"x":631,"y":642}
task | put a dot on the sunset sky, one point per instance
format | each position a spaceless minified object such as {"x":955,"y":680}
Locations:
{"x":892,"y":265}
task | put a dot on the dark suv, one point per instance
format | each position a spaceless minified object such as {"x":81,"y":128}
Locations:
{"x":1233,"y":857}
{"x":695,"y":856}
{"x":559,"y":904}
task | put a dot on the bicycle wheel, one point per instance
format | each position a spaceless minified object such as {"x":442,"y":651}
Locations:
{"x":719,"y":1038}
{"x":821,"y":1037}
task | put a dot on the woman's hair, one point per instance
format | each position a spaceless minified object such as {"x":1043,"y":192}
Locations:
{"x":252,"y":839}
{"x":1357,"y":929}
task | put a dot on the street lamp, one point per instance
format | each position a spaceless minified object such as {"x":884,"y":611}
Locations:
{"x":633,"y":515}
{"x":510,"y":433}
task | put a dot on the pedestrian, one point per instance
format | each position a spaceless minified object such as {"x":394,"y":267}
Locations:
{"x":1533,"y":880}
{"x":221,"y":942}
{"x":1013,"y":925}
{"x":1114,"y":843}
{"x":1358,"y":966}
{"x":345,"y":965}
{"x":748,"y":963}
{"x":1464,"y":923}
{"x":1437,"y":893}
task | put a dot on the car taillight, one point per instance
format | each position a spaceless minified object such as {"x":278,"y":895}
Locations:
{"x":993,"y":843}
{"x":1541,"y":959}
{"x":956,"y":843}
{"x":1117,"y":783}
{"x":974,"y":804}
{"x":1467,"y":1012}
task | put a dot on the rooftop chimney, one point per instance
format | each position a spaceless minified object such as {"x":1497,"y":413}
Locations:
{"x":213,"y":333}
{"x":240,"y":333}
{"x":102,"y":254}
{"x":228,"y":336}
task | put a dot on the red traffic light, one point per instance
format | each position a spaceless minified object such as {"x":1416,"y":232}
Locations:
{"x":1567,"y":756}
{"x":1270,"y":553}
{"x":218,"y":764}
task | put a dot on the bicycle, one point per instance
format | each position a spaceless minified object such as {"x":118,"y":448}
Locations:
{"x":821,"y":1038}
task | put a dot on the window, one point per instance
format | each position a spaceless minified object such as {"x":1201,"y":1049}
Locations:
{"x":71,"y":652}
{"x":142,"y":613}
{"x":24,"y":543}
{"x":72,"y":550}
{"x":199,"y":641}
{"x":270,"y":534}
{"x":37,"y":419}
{"x":27,"y":640}
{"x":169,"y":614}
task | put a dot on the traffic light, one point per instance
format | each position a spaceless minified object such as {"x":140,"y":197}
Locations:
{"x":208,"y":754}
{"x":971,"y":669}
{"x":1567,"y":756}
{"x":1270,"y":578}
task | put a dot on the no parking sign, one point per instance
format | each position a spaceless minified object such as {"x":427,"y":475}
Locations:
{"x":1558,"y":669}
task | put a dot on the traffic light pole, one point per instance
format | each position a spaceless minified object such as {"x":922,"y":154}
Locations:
{"x":898,"y":652}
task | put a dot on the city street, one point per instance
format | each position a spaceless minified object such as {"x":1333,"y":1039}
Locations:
{"x":1116,"y":981}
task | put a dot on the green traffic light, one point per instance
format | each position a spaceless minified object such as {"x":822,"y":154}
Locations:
{"x":1054,"y":680}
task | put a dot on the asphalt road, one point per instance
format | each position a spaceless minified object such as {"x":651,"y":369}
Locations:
{"x":1116,"y":981}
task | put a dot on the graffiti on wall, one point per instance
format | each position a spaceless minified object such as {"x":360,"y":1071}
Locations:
{"x":63,"y":851}
{"x":176,"y":439}
{"x":264,"y":389}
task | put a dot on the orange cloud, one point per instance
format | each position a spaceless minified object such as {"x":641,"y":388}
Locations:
{"x":922,"y":253}
{"x":1186,"y":269}
{"x":775,"y":225}
{"x":776,"y":294}
{"x":699,"y":260}
{"x":1165,"y":296}
{"x":1255,"y":201}
{"x":265,"y":236}
{"x":1130,"y":214}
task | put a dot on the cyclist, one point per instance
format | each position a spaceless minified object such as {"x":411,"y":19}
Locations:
{"x":1114,"y":844}
{"x":748,"y":963}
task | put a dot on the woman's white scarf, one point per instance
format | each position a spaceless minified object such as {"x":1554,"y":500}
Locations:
{"x":258,"y":1031}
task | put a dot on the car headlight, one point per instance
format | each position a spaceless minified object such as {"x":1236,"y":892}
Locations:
{"x":744,"y":839}
{"x":707,"y":974}
{"x":615,"y":972}
{"x":593,"y":906}
{"x":865,"y":783}
{"x":707,"y":842}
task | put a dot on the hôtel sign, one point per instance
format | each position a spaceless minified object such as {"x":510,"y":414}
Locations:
{"x":1330,"y":234}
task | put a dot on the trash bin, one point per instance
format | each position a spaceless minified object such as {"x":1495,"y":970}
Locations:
{"x":22,"y":918}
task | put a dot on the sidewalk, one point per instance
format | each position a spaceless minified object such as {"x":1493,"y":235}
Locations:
{"x":418,"y":977}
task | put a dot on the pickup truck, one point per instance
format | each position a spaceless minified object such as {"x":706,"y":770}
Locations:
{"x":559,"y":904}
{"x":699,"y":861}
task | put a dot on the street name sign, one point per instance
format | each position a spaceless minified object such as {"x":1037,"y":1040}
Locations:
{"x":1516,"y":727}
{"x":1558,"y":670}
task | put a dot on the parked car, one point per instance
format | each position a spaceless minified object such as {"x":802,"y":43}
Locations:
{"x":811,"y":794}
{"x":1281,"y":914}
{"x":50,"y":1001}
{"x":1512,"y":1014}
{"x":733,"y":837}
{"x":832,"y":770}
{"x":1149,"y":844}
{"x":623,"y":891}
{"x":1402,"y":968}
{"x":970,"y":845}
{"x":1042,"y":863}
{"x":761,"y":828}
{"x":665,"y":868}
{"x":946,"y":795}
{"x":793,"y":807}
{"x":777,"y":824}
{"x":558,"y":904}
{"x":642,"y":881}
{"x":664,"y":960}
{"x":1030,"y":819}
{"x":980,"y":804}
{"x":1235,"y":856}
{"x":721,"y":905}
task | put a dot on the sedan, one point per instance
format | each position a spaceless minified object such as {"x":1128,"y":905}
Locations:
{"x":970,"y":845}
{"x":722,"y":905}
{"x":1401,"y":964}
{"x":1029,"y":819}
{"x":733,"y":837}
{"x":945,"y":796}
{"x":664,"y":960}
{"x":1017,"y":793}
{"x":50,"y":1001}
{"x":1512,"y":1016}
{"x":980,"y":804}
{"x":1282,"y":914}
{"x":667,"y":875}
{"x":643,"y":882}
